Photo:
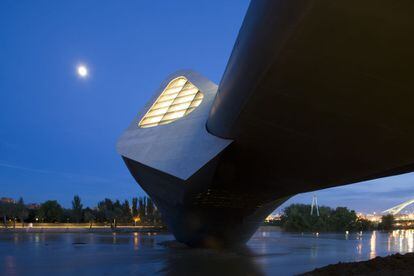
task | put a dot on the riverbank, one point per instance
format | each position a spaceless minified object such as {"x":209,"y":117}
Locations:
{"x":73,"y":228}
{"x":396,"y":264}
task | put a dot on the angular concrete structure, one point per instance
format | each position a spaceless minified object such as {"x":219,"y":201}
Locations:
{"x":316,"y":94}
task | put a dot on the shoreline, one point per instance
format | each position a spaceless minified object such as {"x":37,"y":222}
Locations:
{"x":395,"y":264}
{"x":74,"y":229}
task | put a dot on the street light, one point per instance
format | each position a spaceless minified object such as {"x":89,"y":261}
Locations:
{"x":136,"y":219}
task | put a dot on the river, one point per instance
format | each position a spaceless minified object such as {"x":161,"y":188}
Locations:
{"x":269,"y":252}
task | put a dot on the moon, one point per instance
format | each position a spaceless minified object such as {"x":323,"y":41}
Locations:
{"x":82,"y":71}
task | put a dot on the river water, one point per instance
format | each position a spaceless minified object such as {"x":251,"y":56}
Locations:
{"x":269,"y":252}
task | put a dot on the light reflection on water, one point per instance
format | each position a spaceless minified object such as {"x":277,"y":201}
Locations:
{"x":373,"y":244}
{"x":136,"y":241}
{"x":270,"y":251}
{"x":401,"y":241}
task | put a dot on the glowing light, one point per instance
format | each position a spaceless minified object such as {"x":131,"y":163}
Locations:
{"x":82,"y":71}
{"x":178,"y":99}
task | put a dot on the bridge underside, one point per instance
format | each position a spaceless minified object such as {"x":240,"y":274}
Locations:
{"x":204,"y":215}
{"x":319,"y":94}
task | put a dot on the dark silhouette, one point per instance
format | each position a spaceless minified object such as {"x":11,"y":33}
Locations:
{"x":77,"y":209}
{"x":143,"y":211}
{"x":89,"y":217}
{"x":297,"y":217}
{"x":21,"y":210}
{"x":50,"y":211}
{"x":387,"y":222}
{"x":135,"y":207}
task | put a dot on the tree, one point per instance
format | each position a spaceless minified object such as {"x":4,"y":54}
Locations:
{"x":150,"y":210}
{"x":33,"y":214}
{"x":157,"y":216}
{"x":5,"y":211}
{"x":112,"y":211}
{"x":67,"y":215}
{"x":364,"y":225}
{"x":126,"y":212}
{"x":89,"y":217}
{"x":117,"y":212}
{"x":77,"y":208}
{"x":342,"y":219}
{"x":297,"y":217}
{"x":13,"y":213}
{"x":141,"y":208}
{"x":387,"y":222}
{"x":135,"y":207}
{"x":106,"y":210}
{"x":22,"y":212}
{"x":110,"y":216}
{"x":50,"y":211}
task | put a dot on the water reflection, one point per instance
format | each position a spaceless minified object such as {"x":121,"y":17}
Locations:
{"x":268,"y":252}
{"x":314,"y":252}
{"x":401,"y":241}
{"x":187,"y":261}
{"x":10,"y":265}
{"x":389,"y":243}
{"x":373,"y":244}
{"x":136,"y":241}
{"x":359,"y":248}
{"x":410,"y":240}
{"x":148,"y":240}
{"x":16,"y":238}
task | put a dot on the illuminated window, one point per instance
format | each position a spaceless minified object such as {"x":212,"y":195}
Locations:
{"x":178,"y":99}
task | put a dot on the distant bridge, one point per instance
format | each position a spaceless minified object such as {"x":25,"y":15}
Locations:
{"x":396,"y":209}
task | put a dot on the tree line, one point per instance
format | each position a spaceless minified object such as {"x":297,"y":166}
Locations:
{"x":142,"y":211}
{"x":298,"y":217}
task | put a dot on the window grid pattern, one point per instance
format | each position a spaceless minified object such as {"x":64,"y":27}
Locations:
{"x":178,"y":99}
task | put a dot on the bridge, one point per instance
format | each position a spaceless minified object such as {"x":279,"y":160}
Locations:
{"x":316,"y":94}
{"x":398,"y":208}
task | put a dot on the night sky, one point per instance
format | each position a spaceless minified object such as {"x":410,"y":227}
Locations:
{"x":58,"y":131}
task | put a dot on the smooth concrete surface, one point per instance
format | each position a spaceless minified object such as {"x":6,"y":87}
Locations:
{"x":319,"y":93}
{"x":179,"y":148}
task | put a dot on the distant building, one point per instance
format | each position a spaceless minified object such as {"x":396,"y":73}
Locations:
{"x":7,"y":200}
{"x":273,"y":217}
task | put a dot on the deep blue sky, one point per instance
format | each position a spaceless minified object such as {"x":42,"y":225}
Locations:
{"x":58,"y":132}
